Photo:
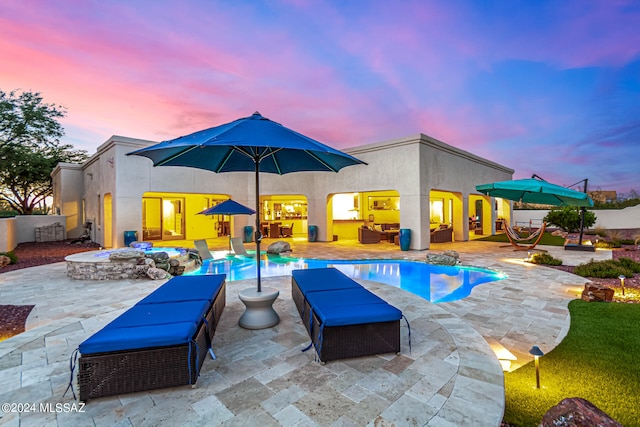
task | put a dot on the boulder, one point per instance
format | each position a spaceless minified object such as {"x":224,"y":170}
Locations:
{"x":140,"y":271}
{"x":560,"y":233}
{"x":279,"y":247}
{"x":157,"y":274}
{"x":452,"y":253}
{"x":594,"y":292}
{"x":443,"y":259}
{"x":125,"y":254}
{"x":4,"y":261}
{"x":159,"y":257}
{"x":162,"y":265}
{"x":577,"y":412}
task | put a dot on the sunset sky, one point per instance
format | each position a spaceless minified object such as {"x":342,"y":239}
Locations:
{"x":546,"y":87}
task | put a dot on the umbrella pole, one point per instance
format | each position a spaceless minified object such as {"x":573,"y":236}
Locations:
{"x":582,"y":213}
{"x":258,"y":236}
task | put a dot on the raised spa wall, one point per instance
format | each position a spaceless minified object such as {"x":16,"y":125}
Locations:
{"x":96,"y":265}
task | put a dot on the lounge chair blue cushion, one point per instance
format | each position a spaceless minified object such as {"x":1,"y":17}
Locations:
{"x":186,"y":288}
{"x":322,"y":279}
{"x":356,"y":314}
{"x":161,"y":313}
{"x":343,"y":297}
{"x":120,"y":339}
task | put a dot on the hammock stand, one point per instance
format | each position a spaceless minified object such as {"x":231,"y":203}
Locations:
{"x":529,"y":242}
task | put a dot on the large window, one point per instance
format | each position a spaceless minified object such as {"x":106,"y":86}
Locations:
{"x":436,"y":207}
{"x":346,"y":206}
{"x":162,"y":218}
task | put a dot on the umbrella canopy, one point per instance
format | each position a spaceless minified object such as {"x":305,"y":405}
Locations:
{"x":534,"y":190}
{"x":228,"y":207}
{"x":253,"y":143}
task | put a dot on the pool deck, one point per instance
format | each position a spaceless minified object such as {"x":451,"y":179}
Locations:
{"x":451,"y":377}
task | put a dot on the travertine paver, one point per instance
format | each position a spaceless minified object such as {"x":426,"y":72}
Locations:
{"x":451,"y":376}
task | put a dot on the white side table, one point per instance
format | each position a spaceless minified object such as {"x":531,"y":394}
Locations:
{"x":259,"y":313}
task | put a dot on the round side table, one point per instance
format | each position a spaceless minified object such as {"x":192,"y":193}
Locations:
{"x":259,"y":313}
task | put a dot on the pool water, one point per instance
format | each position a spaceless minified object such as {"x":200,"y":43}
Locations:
{"x":434,"y":283}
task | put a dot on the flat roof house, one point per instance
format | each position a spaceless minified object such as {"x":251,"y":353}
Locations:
{"x":416,"y":182}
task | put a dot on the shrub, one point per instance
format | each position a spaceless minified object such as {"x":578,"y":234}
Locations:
{"x":568,"y":218}
{"x":12,"y":256}
{"x":630,"y":264}
{"x":601,"y":231}
{"x":544,"y":259}
{"x":603,"y":244}
{"x":614,"y":235}
{"x":609,"y":269}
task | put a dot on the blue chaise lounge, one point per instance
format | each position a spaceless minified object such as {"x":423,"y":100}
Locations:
{"x":343,"y":318}
{"x":160,"y":342}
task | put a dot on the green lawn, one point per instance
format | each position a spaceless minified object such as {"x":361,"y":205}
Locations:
{"x":547,"y":239}
{"x":599,"y":360}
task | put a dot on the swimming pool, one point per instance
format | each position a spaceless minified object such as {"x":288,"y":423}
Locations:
{"x":434,"y":283}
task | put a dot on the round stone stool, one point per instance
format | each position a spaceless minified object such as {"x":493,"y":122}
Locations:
{"x":259,"y":313}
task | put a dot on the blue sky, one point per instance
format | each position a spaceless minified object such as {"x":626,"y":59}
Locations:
{"x":545,"y":87}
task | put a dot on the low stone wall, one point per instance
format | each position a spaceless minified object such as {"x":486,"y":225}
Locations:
{"x":125,"y":264}
{"x":113,"y":270}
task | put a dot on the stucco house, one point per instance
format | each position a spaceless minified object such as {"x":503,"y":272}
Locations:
{"x":416,"y":182}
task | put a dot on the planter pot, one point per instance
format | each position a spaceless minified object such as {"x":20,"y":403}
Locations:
{"x":313,"y":233}
{"x":248,"y":234}
{"x":405,"y":239}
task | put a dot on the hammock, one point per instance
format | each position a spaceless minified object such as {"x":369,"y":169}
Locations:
{"x":529,"y":242}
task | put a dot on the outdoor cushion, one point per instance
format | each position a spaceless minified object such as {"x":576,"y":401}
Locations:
{"x":356,"y":314}
{"x":161,"y":313}
{"x":119,"y":339}
{"x":322,"y":279}
{"x":186,"y":288}
{"x":343,"y":297}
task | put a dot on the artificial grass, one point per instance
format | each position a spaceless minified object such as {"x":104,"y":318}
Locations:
{"x":547,"y":239}
{"x":598,"y":360}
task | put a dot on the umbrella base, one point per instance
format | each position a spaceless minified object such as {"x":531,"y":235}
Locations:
{"x":259,"y":313}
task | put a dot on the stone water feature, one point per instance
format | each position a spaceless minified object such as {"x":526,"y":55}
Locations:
{"x":132,"y":263}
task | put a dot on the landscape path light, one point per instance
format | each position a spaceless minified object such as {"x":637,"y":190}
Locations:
{"x":621,"y":277}
{"x":536,"y":352}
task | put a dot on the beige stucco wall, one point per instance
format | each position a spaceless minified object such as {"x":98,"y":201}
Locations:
{"x":7,"y":234}
{"x":412,"y":166}
{"x":68,"y":188}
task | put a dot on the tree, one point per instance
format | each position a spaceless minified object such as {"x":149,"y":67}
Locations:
{"x":29,"y":149}
{"x":26,"y":120}
{"x":568,"y":218}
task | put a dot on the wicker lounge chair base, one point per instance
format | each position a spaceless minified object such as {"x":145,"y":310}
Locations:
{"x":132,"y":371}
{"x":340,"y":330}
{"x":160,"y":342}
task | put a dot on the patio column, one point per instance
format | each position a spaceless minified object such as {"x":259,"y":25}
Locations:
{"x":465,"y":216}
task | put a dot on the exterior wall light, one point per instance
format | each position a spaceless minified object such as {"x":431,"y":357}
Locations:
{"x":621,"y":277}
{"x":536,"y":352}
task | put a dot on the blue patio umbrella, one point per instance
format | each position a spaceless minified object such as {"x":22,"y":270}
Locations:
{"x":251,"y":144}
{"x":228,"y":207}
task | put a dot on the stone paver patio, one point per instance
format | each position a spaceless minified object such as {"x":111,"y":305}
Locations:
{"x":451,"y":376}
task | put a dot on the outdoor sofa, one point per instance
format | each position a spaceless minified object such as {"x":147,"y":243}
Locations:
{"x":344,"y":319}
{"x":442,"y":234}
{"x":160,"y":342}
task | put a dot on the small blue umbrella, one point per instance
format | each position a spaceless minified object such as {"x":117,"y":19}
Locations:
{"x":251,"y":144}
{"x":228,"y":207}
